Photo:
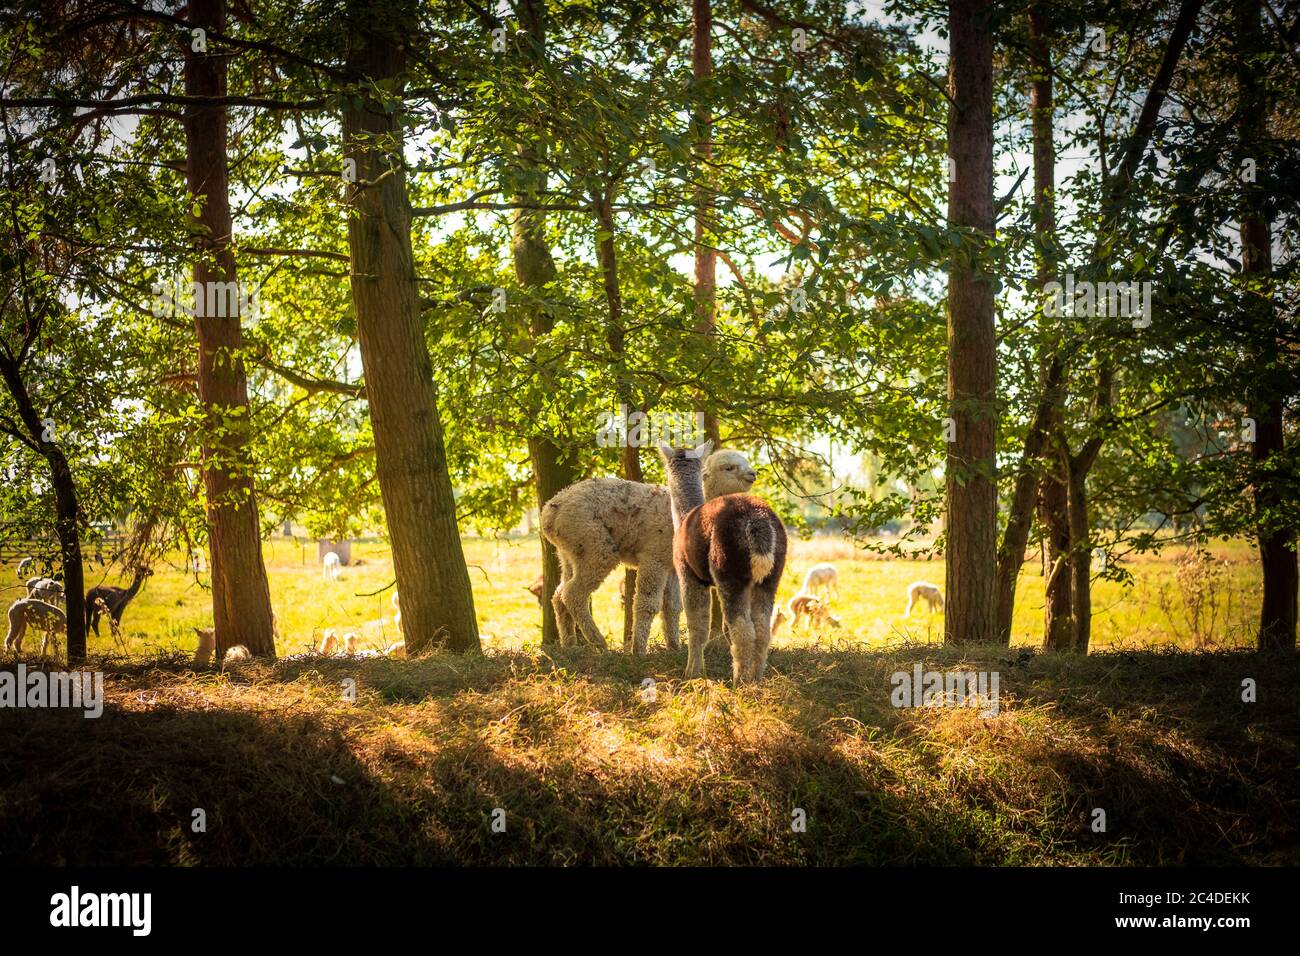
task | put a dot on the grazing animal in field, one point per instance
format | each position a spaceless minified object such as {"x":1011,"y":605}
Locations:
{"x":735,"y":543}
{"x":237,"y":653}
{"x":48,"y":590}
{"x":807,"y":609}
{"x":822,"y":579}
{"x":24,"y":566}
{"x":923,"y":591}
{"x":328,"y":642}
{"x":31,"y":612}
{"x":599,"y":523}
{"x":331,"y":567}
{"x":396,"y":650}
{"x":115,"y":599}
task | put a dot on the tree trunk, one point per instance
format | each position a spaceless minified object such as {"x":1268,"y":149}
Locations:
{"x":410,"y":457}
{"x":1080,"y":558}
{"x":971,"y":613}
{"x":241,"y":597}
{"x":706,"y":258}
{"x":553,"y":471}
{"x":1058,"y":612}
{"x":1020,"y":514}
{"x":67,"y":510}
{"x":1277,"y":620}
{"x":607,"y":253}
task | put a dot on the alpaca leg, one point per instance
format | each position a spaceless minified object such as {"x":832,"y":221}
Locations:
{"x":671,"y":611}
{"x":760,"y":615}
{"x":650,"y":580}
{"x":736,"y":610}
{"x":911,"y":599}
{"x":563,"y":619}
{"x":577,"y":593}
{"x":17,"y":628}
{"x":696,"y":601}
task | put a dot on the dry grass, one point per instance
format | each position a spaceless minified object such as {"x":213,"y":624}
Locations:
{"x":589,"y":771}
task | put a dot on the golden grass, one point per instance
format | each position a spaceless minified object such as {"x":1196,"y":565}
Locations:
{"x":871,"y":602}
{"x":590,"y":769}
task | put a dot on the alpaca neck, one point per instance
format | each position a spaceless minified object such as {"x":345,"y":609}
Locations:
{"x":685,"y":489}
{"x":134,"y":588}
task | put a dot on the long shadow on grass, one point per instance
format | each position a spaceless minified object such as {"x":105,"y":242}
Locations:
{"x":574,"y":766}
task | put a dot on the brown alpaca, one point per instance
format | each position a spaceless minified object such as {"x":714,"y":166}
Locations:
{"x":114,"y":599}
{"x":735,"y":543}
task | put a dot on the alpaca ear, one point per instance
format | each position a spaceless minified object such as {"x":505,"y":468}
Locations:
{"x":702,"y":451}
{"x":665,"y":452}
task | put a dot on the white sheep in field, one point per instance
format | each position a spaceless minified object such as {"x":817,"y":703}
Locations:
{"x":805,"y":608}
{"x":25,"y":565}
{"x":31,"y":612}
{"x":599,"y":523}
{"x":923,"y":591}
{"x":331,"y":567}
{"x":822,"y":579}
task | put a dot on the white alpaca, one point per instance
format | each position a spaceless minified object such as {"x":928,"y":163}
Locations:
{"x":206,"y":645}
{"x":396,"y":650}
{"x":330,"y":566}
{"x":922,"y":591}
{"x":30,"y":612}
{"x":599,"y":523}
{"x":24,"y":566}
{"x":822,"y":579}
{"x":812,"y":611}
{"x":48,"y":590}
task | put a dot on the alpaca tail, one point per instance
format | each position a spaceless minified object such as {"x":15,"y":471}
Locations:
{"x":762,"y":548}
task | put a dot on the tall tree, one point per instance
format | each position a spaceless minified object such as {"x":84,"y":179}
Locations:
{"x":553,"y":465}
{"x":1267,"y":402}
{"x":971,"y":526}
{"x":410,"y":456}
{"x":1032,"y":483}
{"x":241,"y":599}
{"x":706,"y":256}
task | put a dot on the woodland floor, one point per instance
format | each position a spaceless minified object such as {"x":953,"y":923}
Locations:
{"x":588,"y":771}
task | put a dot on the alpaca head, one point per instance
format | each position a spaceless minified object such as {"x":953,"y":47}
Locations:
{"x":685,"y":468}
{"x":727,"y":472}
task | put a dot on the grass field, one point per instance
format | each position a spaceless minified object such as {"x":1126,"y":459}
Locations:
{"x":569,"y":752}
{"x":1155,"y":611}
